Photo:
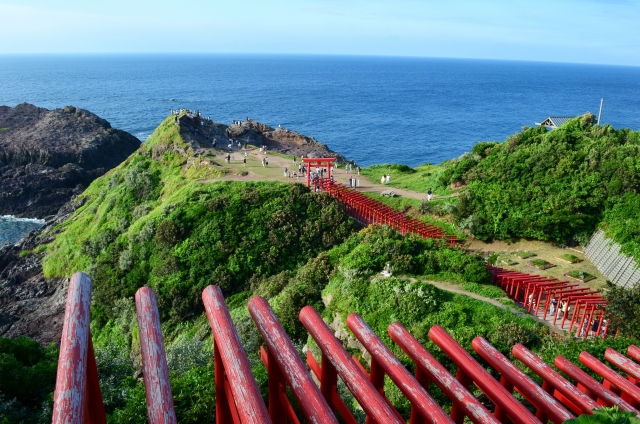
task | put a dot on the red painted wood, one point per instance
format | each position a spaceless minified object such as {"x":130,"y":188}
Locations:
{"x":559,"y":383}
{"x":236,"y":367}
{"x":543,"y":401}
{"x":516,"y":412}
{"x":286,"y":358}
{"x":355,"y":380}
{"x":383,"y":358}
{"x":154,"y":360}
{"x":69,"y":399}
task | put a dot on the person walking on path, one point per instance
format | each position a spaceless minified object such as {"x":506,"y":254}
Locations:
{"x":245,"y":161}
{"x":266,"y":161}
{"x":383,"y":179}
{"x":358,"y":169}
{"x":285,"y":171}
{"x":263,"y":162}
{"x":388,"y":178}
{"x":228,"y":158}
{"x":429,"y":193}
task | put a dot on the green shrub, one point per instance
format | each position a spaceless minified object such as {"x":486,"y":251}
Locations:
{"x":606,"y":415}
{"x":27,"y":378}
{"x":553,"y":185}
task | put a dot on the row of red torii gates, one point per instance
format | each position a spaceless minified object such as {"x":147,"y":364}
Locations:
{"x":537,"y":292}
{"x":366,"y":210}
{"x":77,"y":397}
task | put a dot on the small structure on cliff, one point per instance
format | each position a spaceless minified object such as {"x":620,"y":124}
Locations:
{"x":554,"y":122}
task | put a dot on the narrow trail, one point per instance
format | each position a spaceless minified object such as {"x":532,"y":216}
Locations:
{"x":453,"y":288}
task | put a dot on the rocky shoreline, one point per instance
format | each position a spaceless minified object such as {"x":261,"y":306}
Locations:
{"x":30,"y":304}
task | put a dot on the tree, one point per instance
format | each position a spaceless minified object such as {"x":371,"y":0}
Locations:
{"x":622,"y":310}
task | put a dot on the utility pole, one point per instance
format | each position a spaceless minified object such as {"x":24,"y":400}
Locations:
{"x":600,"y":113}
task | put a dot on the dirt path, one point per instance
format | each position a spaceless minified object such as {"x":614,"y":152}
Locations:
{"x":275,"y":172}
{"x":453,"y":288}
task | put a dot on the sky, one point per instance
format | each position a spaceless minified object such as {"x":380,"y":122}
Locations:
{"x":579,"y":31}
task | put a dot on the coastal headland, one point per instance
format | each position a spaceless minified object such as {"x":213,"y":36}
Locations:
{"x":49,"y":156}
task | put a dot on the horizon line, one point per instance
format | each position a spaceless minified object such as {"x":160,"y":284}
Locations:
{"x":345,"y":55}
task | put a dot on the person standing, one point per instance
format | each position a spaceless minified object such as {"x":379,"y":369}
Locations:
{"x":285,"y":172}
{"x":383,"y":179}
{"x":388,"y":178}
{"x":266,"y":161}
{"x":429,"y":193}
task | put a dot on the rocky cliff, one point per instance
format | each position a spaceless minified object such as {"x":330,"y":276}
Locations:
{"x":201,"y":132}
{"x":30,"y":304}
{"x":48,"y":156}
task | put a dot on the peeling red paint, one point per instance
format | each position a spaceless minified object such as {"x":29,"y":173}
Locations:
{"x":246,"y":396}
{"x":286,"y":358}
{"x":154,"y":360}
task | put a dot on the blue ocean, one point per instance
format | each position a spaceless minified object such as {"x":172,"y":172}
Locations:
{"x":370,"y":109}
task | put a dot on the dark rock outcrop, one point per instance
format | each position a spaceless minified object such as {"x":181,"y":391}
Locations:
{"x":201,"y":132}
{"x":30,"y":304}
{"x":48,"y":156}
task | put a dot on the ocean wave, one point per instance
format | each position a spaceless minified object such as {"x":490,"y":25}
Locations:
{"x":13,"y":229}
{"x":13,"y":218}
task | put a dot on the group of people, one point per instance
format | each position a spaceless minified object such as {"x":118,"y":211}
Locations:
{"x":289,"y":174}
{"x":564,"y":310}
{"x":385,"y":179}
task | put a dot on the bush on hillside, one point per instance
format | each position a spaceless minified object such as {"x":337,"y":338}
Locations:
{"x":27,"y":379}
{"x":554,"y":185}
{"x":224,"y":234}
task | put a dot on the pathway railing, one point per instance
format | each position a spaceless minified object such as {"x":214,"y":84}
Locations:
{"x":291,"y":388}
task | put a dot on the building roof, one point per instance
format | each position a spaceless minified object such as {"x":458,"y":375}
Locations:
{"x":554,"y":121}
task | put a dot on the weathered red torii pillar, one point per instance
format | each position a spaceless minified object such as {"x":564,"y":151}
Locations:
{"x":319,"y":162}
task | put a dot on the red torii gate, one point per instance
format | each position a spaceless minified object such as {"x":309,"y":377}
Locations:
{"x":318,"y":162}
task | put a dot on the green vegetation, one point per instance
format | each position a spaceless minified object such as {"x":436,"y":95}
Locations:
{"x":151,"y":222}
{"x":4,"y":129}
{"x":554,"y":185}
{"x":422,"y":211}
{"x":606,"y":415}
{"x":27,"y":377}
{"x":24,"y":253}
{"x":570,"y":258}
{"x":541,"y":263}
{"x":622,"y":310}
{"x":525,"y":255}
{"x":581,"y":275}
{"x":420,"y":178}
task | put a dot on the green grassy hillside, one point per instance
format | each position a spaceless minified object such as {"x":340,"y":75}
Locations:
{"x":556,"y":185}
